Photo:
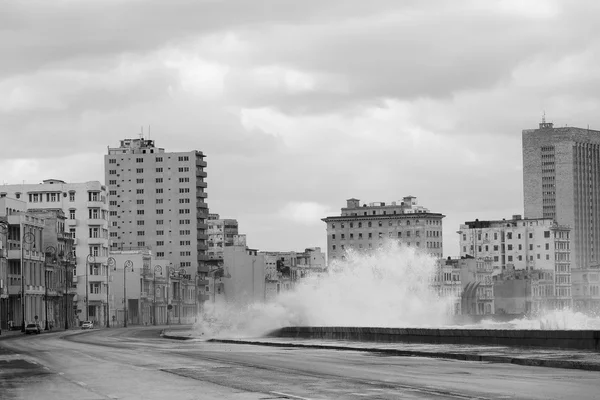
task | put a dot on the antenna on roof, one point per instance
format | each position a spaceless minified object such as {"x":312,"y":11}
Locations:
{"x":142,"y":133}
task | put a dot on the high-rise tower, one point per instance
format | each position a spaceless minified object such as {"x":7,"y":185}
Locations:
{"x":561,"y":180}
{"x":156,"y":201}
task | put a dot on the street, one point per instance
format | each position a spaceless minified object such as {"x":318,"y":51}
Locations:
{"x":136,"y":363}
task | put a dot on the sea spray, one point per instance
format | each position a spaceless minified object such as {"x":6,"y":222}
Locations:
{"x":390,"y":287}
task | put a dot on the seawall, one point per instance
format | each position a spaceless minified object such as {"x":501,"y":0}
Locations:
{"x":562,"y":339}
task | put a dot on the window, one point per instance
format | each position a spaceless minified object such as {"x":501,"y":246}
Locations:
{"x":139,"y":191}
{"x":137,"y":160}
{"x":159,"y":159}
{"x":495,"y":258}
{"x":159,"y":180}
{"x":530,"y":247}
{"x":112,"y":193}
{"x":159,"y":169}
{"x":184,"y":211}
{"x":360,"y":236}
{"x":184,"y":243}
{"x":184,"y":201}
{"x":141,"y":244}
{"x":112,"y":161}
{"x":139,"y":170}
{"x":160,"y":233}
{"x":184,"y":169}
{"x":159,"y":201}
{"x":71,"y":214}
{"x":360,"y":224}
{"x":185,"y":253}
{"x":185,"y":232}
{"x":183,"y":158}
{"x":160,"y":254}
{"x":140,"y":212}
{"x":159,"y":190}
{"x":547,"y":246}
{"x":160,"y":243}
{"x":110,"y":182}
{"x":141,"y":233}
{"x":113,"y":234}
{"x":510,"y":247}
{"x":546,"y":234}
{"x":112,"y":171}
{"x":333,"y":247}
{"x":113,"y":213}
{"x":184,"y":190}
{"x":370,"y":235}
{"x":509,"y":235}
{"x":547,"y":256}
{"x":184,"y":221}
{"x":496,"y":247}
{"x":94,"y":213}
{"x":112,"y":203}
{"x":343,"y":236}
{"x":510,"y":258}
{"x":352,"y":236}
{"x":159,"y":211}
{"x":159,"y":222}
{"x":184,"y":180}
{"x":139,"y":201}
{"x":140,"y":223}
{"x":139,"y":181}
{"x":94,"y":232}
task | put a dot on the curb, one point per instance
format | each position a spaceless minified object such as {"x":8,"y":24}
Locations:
{"x":564,"y":364}
{"x":173,"y":337}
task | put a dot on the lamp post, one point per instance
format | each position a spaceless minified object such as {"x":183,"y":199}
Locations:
{"x":89,"y":259}
{"x":50,"y":251}
{"x":128,"y":264}
{"x":69,"y":260}
{"x":170,"y":270}
{"x":157,"y":268}
{"x":110,"y":263}
{"x":196,"y":298}
{"x":182,"y":272}
{"x":4,"y":232}
{"x":28,"y":238}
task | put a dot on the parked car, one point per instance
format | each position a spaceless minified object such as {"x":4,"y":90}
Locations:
{"x":32,"y":328}
{"x":87,"y":325}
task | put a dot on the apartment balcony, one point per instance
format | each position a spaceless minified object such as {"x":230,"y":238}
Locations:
{"x":202,"y":195}
{"x":202,"y":236}
{"x":72,"y":222}
{"x":14,"y":254}
{"x":97,"y":297}
{"x":97,"y":222}
{"x":97,"y":241}
{"x":201,"y":184}
{"x":201,"y":227}
{"x":200,"y":162}
{"x":95,"y":204}
{"x":33,"y":289}
{"x":201,"y":174}
{"x":201,"y":205}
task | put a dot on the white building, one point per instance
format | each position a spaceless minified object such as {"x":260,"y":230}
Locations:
{"x":522,"y":244}
{"x":86,"y":208}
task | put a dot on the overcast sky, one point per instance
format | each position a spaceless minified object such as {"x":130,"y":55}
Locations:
{"x":299,"y":105}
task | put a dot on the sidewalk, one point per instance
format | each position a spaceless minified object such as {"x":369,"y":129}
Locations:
{"x":539,"y":357}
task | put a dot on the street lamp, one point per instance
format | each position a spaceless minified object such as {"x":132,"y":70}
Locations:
{"x":182,"y":272}
{"x":110,"y":263}
{"x":170,"y":270}
{"x":50,"y":252}
{"x":28,"y":238}
{"x":4,"y":232}
{"x":128,"y":264}
{"x":157,"y":268}
{"x":89,"y":259}
{"x":69,"y":260}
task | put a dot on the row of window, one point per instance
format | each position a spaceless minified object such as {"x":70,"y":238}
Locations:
{"x":430,"y":245}
{"x":390,"y":223}
{"x":158,"y":159}
{"x":381,"y":235}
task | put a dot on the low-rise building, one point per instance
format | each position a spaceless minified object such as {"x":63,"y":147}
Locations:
{"x":221,"y":233}
{"x":524,"y":292}
{"x":586,"y":288}
{"x":366,"y":228}
{"x":523,"y":244}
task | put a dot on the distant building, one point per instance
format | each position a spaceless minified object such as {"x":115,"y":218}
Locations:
{"x":368,"y":227}
{"x":243,"y":279}
{"x":561,"y":182}
{"x":520,"y":292}
{"x":586,"y":288}
{"x":85,"y":206}
{"x":220,"y":235}
{"x":522,"y":244}
{"x":157,"y":201}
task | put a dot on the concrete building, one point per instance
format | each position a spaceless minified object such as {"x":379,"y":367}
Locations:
{"x":85,"y":206}
{"x":243,"y":281}
{"x":25,"y":261}
{"x":60,"y":290}
{"x":156,"y":201}
{"x":220,"y":234}
{"x":522,"y":244}
{"x":561,"y":181}
{"x":524,"y":292}
{"x":3,"y":274}
{"x":446,"y":282}
{"x":367,"y":227}
{"x":586,"y":288}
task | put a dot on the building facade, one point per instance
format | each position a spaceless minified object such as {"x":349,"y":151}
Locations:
{"x":367,"y":227}
{"x":561,"y":181}
{"x":86,"y":209}
{"x":524,"y":292}
{"x":523,"y":244}
{"x":157,"y":201}
{"x":25,"y":262}
{"x":220,"y":234}
{"x":586,"y":288}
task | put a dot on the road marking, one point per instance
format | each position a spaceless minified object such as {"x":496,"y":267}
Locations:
{"x":290,"y":396}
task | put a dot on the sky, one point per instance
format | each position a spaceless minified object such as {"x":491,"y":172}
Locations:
{"x":300,"y":105}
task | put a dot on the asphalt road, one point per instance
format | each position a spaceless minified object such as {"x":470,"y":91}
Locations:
{"x":135,"y":363}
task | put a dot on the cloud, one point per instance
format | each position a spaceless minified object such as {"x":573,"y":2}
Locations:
{"x":306,"y":213}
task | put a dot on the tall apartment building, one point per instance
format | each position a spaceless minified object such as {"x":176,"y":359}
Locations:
{"x":156,"y":201}
{"x":220,"y":234}
{"x":367,"y":227}
{"x":85,"y":206}
{"x":522,"y":244}
{"x":561,"y":181}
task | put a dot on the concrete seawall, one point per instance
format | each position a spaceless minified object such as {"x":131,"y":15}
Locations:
{"x":583,"y":340}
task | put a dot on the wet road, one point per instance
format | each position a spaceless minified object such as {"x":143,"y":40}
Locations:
{"x":135,"y":363}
